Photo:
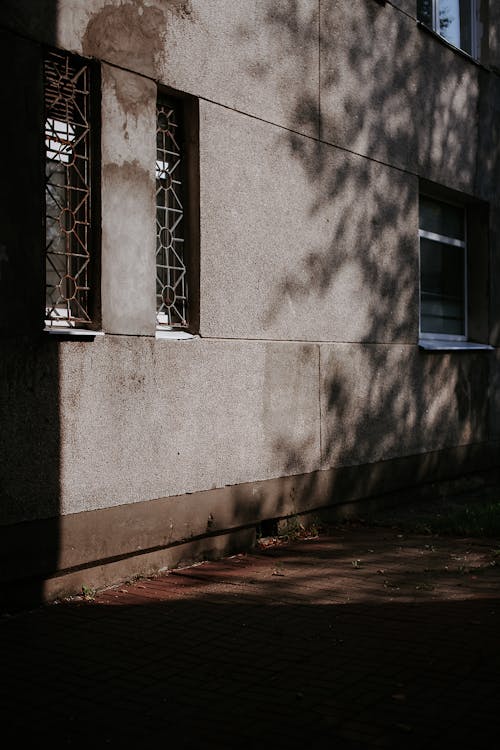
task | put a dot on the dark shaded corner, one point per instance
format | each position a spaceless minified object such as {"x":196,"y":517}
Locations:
{"x":29,"y":363}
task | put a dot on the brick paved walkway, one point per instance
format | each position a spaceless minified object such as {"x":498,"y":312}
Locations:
{"x":366,"y":638}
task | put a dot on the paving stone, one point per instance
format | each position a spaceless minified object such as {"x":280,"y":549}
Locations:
{"x":291,"y":645}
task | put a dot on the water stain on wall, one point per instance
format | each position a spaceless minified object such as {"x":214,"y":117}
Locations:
{"x":129,"y":35}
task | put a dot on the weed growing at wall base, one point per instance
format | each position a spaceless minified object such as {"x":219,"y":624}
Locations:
{"x":88,"y":592}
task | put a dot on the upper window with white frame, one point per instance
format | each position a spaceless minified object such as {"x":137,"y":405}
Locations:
{"x":69,"y":200}
{"x":443,"y":270}
{"x":457,"y":21}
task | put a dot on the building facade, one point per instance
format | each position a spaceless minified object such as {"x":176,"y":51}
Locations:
{"x":248,"y":269}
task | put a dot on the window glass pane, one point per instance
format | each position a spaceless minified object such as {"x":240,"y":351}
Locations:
{"x":442,"y":288}
{"x":449,"y":21}
{"x":442,"y":218}
{"x":455,"y":22}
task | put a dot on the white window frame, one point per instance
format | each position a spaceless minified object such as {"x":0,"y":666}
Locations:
{"x":443,"y":239}
{"x":474,"y":27}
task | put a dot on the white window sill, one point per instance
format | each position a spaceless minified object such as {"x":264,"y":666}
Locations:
{"x":75,"y":332}
{"x":436,"y":345}
{"x":172,"y":335}
{"x":446,"y":43}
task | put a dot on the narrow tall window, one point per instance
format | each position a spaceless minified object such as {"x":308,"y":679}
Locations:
{"x":68,"y":215}
{"x":457,"y":21}
{"x":171,"y":251}
{"x":443,"y":263}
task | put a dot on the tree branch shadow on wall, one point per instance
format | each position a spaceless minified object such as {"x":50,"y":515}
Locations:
{"x":395,"y":95}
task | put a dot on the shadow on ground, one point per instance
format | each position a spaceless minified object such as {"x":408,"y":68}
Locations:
{"x":366,"y":638}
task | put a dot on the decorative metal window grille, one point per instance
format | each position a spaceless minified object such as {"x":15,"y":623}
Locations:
{"x":171,"y":267}
{"x":67,"y":190}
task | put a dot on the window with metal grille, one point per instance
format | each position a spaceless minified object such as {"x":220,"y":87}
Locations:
{"x":171,"y":251}
{"x":68,"y":200}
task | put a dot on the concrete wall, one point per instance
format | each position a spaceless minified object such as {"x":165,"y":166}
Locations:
{"x":317,"y":119}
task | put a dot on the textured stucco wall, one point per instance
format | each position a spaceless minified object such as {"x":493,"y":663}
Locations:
{"x":296,"y":232}
{"x":381,"y":401}
{"x":317,"y":120}
{"x":128,"y":202}
{"x":142,"y":418}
